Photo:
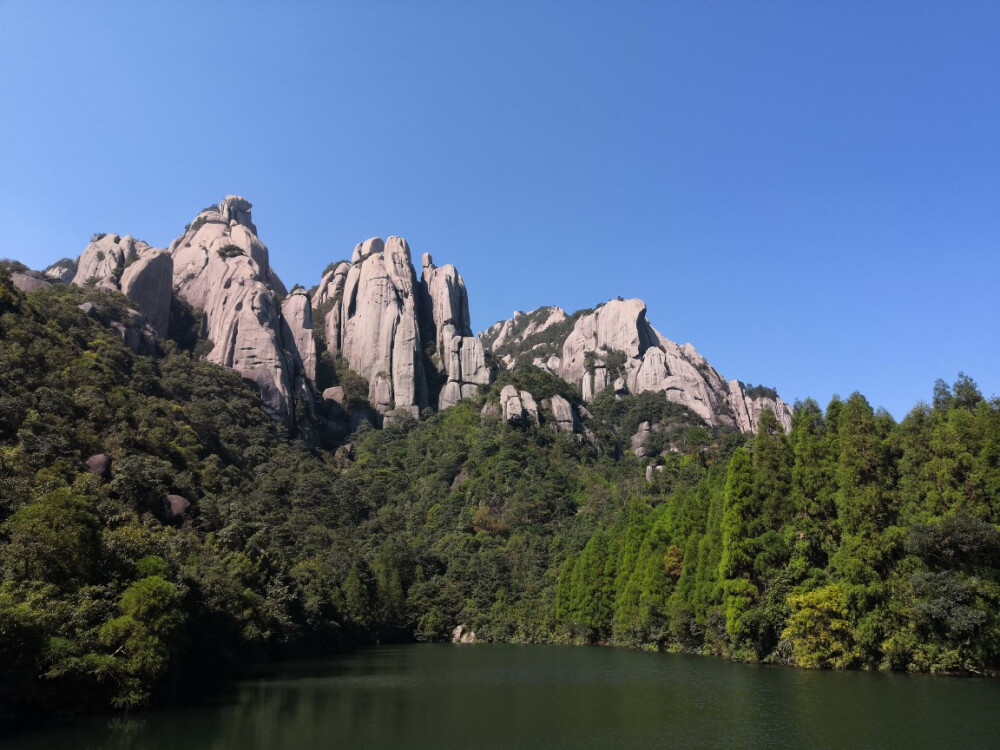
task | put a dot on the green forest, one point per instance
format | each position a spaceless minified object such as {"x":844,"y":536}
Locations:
{"x":853,"y":542}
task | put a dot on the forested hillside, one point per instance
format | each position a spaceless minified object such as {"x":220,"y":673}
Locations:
{"x":850,"y":542}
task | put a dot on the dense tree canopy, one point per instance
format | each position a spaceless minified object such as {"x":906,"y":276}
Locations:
{"x":853,"y":541}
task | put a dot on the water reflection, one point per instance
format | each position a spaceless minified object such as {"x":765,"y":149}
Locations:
{"x":436,"y":696}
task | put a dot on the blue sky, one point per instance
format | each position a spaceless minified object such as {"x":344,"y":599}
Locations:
{"x":808,"y":192}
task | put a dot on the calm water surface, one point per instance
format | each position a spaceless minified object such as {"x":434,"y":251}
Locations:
{"x":498,"y":696}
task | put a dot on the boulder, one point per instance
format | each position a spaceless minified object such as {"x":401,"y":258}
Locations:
{"x":28,"y":282}
{"x":562,"y":410}
{"x":510,"y":404}
{"x":99,"y":465}
{"x":639,"y":439}
{"x":234,"y":210}
{"x":462,"y":634}
{"x":175,"y":506}
{"x":334,"y":393}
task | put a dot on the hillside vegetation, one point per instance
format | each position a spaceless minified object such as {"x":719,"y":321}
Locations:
{"x":852,"y":542}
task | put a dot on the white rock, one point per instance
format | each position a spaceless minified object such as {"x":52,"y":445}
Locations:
{"x":220,"y":268}
{"x":563,"y":412}
{"x":530,"y":407}
{"x":510,"y":404}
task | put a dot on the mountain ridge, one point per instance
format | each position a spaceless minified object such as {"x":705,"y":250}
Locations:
{"x":408,"y":337}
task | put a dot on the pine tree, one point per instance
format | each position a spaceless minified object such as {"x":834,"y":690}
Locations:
{"x":738,"y":550}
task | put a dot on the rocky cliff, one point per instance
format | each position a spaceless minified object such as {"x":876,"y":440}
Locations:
{"x":221,"y":268}
{"x":615,"y":346}
{"x":124,"y":264}
{"x":409,"y":338}
{"x":411,"y":341}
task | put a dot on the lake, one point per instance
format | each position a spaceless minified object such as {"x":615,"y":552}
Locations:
{"x":504,"y":696}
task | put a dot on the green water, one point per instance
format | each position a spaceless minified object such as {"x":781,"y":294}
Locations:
{"x":494,"y":696}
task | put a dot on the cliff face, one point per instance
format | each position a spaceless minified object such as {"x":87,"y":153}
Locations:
{"x":458,"y":354}
{"x":614,"y":345}
{"x":221,"y":268}
{"x":409,"y":338}
{"x":401,"y":336}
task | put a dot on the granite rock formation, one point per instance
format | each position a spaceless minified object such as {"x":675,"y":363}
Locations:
{"x":409,"y":338}
{"x":221,"y":268}
{"x":64,"y":270}
{"x":123,"y":264}
{"x":402,"y":336}
{"x":458,"y":353}
{"x":148,"y":281}
{"x":615,"y":346}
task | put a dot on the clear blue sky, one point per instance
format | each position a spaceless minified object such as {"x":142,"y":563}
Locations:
{"x":809,"y":192}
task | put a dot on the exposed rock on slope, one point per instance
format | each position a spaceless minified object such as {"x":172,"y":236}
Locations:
{"x":458,"y":353}
{"x":221,"y":268}
{"x":297,"y":329}
{"x":142,"y":273}
{"x":534,"y":334}
{"x":29,"y":282}
{"x":565,"y":416}
{"x":148,"y":281}
{"x":614,"y":345}
{"x":410,"y":339}
{"x":105,"y":257}
{"x":401,"y":336}
{"x":64,"y":270}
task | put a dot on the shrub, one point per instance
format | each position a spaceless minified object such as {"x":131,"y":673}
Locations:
{"x":230,"y":251}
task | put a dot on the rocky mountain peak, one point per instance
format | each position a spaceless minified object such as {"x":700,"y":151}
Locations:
{"x":404,"y":338}
{"x":235,"y":210}
{"x":223,"y":269}
{"x":614,"y":346}
{"x":409,"y":337}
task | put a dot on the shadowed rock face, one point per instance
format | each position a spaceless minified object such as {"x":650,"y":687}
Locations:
{"x":148,"y":281}
{"x":297,"y":332}
{"x":614,"y":345}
